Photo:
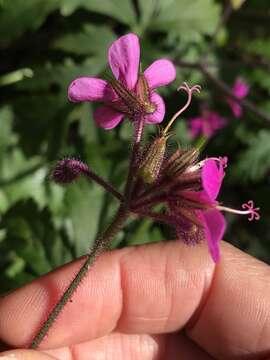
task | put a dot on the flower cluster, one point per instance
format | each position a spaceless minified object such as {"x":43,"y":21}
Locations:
{"x":184,"y":187}
{"x":240,"y":90}
{"x":209,"y":122}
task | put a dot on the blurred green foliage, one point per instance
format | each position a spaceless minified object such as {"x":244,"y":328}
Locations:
{"x":46,"y":44}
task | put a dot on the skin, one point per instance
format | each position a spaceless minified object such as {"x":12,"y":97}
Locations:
{"x":160,"y":301}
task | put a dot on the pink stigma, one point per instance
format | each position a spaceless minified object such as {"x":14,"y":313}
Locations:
{"x":189,"y":90}
{"x":253,"y":212}
{"x":223,"y":161}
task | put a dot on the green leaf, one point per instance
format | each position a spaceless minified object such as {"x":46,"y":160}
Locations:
{"x":180,"y":16}
{"x":181,"y":134}
{"x":22,"y":178}
{"x":260,"y":77}
{"x":259,"y":46}
{"x":93,"y":40}
{"x":33,"y":238}
{"x":6,"y":136}
{"x":15,"y":76}
{"x":18,"y":16}
{"x":41,"y":123}
{"x":83,"y":202}
{"x":121,"y":10}
{"x":254,"y":163}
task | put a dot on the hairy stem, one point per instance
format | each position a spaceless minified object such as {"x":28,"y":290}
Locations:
{"x":99,"y":246}
{"x":139,"y":124}
{"x":106,"y":185}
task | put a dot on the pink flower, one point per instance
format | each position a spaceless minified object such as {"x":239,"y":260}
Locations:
{"x":212,"y":219}
{"x":240,"y":90}
{"x":207,"y":124}
{"x":130,"y":93}
{"x":209,"y":220}
{"x":195,"y":212}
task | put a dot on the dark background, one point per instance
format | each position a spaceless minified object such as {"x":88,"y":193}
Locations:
{"x":46,"y":44}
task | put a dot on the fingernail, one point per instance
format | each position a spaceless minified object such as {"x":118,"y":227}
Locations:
{"x":8,"y":357}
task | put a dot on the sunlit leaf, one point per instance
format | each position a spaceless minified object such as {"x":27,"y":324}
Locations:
{"x":121,"y":10}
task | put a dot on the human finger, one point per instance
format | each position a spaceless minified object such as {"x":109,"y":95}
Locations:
{"x":20,"y":354}
{"x":147,"y":289}
{"x":155,"y":289}
{"x":117,"y":346}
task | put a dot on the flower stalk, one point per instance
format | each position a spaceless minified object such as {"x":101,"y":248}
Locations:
{"x":68,"y":170}
{"x":99,"y":246}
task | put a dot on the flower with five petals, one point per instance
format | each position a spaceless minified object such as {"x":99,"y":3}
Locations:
{"x":131,"y":93}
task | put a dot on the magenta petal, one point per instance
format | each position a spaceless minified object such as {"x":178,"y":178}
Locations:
{"x":160,"y":73}
{"x":240,"y":88}
{"x":90,"y":89}
{"x":215,"y":121}
{"x":197,"y":196}
{"x":124,"y":58}
{"x":214,"y":228}
{"x":107,"y":118}
{"x":212,"y":177}
{"x":236,"y":108}
{"x":195,"y":126}
{"x":159,"y":113}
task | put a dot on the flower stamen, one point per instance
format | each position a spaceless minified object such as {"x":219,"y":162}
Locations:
{"x":250,"y":210}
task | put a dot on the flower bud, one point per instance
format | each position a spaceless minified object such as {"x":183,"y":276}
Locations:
{"x":182,"y":162}
{"x":68,"y":170}
{"x":150,"y":168}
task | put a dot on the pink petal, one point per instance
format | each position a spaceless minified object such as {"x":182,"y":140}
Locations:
{"x":90,"y":89}
{"x":197,"y":196}
{"x":107,"y":118}
{"x":215,"y":120}
{"x":240,"y":88}
{"x":214,"y":228}
{"x":212,"y":177}
{"x":160,"y":73}
{"x":195,"y":126}
{"x":208,"y":129}
{"x":159,"y":113}
{"x":235,"y":107}
{"x":124,"y":59}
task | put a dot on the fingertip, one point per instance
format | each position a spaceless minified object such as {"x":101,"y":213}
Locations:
{"x":25,"y":355}
{"x":235,"y":319}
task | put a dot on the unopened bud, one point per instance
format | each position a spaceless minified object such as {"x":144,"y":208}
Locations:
{"x":182,"y":162}
{"x":152,"y":163}
{"x":68,"y":170}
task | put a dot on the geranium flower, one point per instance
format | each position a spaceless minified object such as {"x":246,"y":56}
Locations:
{"x":240,"y":90}
{"x":207,"y":124}
{"x":131,"y":93}
{"x":213,"y":221}
{"x":193,"y":205}
{"x":189,"y":190}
